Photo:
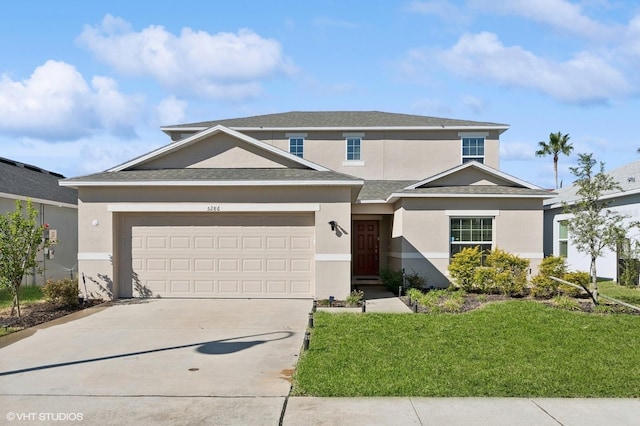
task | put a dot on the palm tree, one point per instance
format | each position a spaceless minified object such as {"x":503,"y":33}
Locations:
{"x":558,"y":144}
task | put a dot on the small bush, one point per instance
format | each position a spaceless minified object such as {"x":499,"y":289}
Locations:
{"x":463,"y":267}
{"x":416,"y":280}
{"x":551,"y":266}
{"x":391,"y":279}
{"x":580,"y":278}
{"x":510,"y":272}
{"x":355,"y":298}
{"x":484,"y":279}
{"x":61,"y":292}
{"x":566,"y":302}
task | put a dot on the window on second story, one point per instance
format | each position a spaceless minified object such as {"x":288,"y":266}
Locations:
{"x":296,"y":146}
{"x":473,"y":149}
{"x":353,"y":148}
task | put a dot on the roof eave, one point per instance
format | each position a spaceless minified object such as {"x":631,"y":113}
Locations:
{"x":397,"y":195}
{"x":501,"y":128}
{"x":182,"y":183}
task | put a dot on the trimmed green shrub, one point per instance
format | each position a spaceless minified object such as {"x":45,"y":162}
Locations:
{"x":510,"y":276}
{"x":580,"y":278}
{"x":61,"y":292}
{"x":463,"y":267}
{"x":551,"y":266}
{"x":484,"y":279}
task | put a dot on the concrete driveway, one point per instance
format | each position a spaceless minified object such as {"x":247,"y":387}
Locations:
{"x":158,"y":361}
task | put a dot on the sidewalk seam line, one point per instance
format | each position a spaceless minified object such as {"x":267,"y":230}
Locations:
{"x":546,"y":412}
{"x":415,"y":411}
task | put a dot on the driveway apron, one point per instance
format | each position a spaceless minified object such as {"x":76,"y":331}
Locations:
{"x":209,"y":351}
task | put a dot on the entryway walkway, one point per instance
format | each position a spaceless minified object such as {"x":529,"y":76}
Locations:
{"x":379,"y":299}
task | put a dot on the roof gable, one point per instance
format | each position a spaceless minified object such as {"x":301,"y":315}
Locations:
{"x":472,"y":173}
{"x":217,"y":147}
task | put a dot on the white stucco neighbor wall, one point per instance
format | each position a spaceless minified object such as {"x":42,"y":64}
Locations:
{"x":606,"y":264}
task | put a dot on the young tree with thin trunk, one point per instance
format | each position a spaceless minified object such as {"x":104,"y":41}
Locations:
{"x":558,"y":144}
{"x":20,"y":239}
{"x":593,"y":226}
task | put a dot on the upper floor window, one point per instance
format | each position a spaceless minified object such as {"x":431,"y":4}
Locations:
{"x":473,"y":149}
{"x":353,"y":148}
{"x":296,"y":146}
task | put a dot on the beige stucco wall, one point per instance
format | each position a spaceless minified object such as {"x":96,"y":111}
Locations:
{"x":390,"y":155}
{"x":219,"y":151}
{"x":421,"y":231}
{"x":62,"y":263}
{"x":100,"y":229}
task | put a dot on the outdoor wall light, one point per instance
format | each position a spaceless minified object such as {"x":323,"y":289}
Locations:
{"x":94,"y":222}
{"x":333,"y":224}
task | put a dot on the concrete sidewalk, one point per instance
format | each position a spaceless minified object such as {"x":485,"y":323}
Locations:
{"x":462,"y":411}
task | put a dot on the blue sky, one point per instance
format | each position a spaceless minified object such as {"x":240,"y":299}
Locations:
{"x":86,"y":85}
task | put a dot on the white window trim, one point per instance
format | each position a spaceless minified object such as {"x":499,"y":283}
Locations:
{"x":348,"y":162}
{"x":463,"y":135}
{"x":556,"y":233}
{"x":493,"y":230}
{"x":290,"y":136}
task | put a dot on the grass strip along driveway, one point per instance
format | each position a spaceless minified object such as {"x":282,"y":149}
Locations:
{"x":508,"y":349}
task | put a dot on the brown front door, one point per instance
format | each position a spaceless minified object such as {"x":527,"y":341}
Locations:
{"x":365,"y":247}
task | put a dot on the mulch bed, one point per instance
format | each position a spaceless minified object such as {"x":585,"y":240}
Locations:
{"x":38,"y":313}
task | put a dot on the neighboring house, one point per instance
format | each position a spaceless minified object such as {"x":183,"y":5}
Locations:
{"x":56,"y":206}
{"x":301,"y":204}
{"x":557,"y":240}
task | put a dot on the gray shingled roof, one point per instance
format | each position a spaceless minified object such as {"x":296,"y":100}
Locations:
{"x":338,"y":119}
{"x":33,"y":182}
{"x":381,"y":189}
{"x":479,"y":190}
{"x":628,"y":176}
{"x":192,"y":175}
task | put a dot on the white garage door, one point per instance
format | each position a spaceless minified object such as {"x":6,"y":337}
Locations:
{"x":257,"y":256}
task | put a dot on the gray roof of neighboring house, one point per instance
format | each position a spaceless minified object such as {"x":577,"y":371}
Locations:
{"x":338,"y":119}
{"x":628,"y":176}
{"x":30,"y":181}
{"x":194,"y":174}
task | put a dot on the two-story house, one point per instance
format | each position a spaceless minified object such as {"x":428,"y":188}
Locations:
{"x":301,"y":204}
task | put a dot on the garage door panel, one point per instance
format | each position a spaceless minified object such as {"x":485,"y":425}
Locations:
{"x":178,"y":243}
{"x":252,"y":258}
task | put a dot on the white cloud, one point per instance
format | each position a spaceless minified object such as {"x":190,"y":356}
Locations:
{"x":56,"y":102}
{"x":433,"y":107}
{"x":222,"y":65}
{"x":585,"y":78}
{"x":171,"y":110}
{"x":475,"y":104}
{"x":517,"y":151}
{"x":560,"y":14}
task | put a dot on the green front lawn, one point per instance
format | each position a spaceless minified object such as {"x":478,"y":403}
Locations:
{"x":508,"y":349}
{"x":28,"y":294}
{"x":626,"y":294}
